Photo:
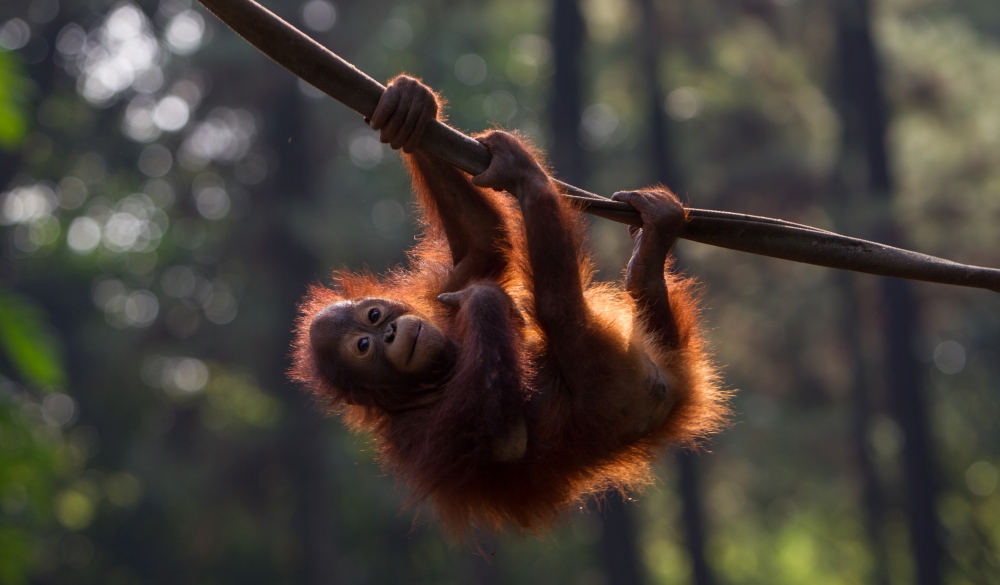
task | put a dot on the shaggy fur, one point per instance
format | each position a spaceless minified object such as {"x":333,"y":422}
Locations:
{"x":582,"y":438}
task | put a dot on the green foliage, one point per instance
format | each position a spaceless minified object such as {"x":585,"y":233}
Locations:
{"x":14,"y":89}
{"x":28,"y":346}
{"x":27,"y":480}
{"x":177,"y":252}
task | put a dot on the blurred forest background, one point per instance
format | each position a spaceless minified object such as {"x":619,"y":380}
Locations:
{"x":167,"y":193}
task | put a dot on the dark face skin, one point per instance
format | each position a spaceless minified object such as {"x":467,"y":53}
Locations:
{"x":382,"y":343}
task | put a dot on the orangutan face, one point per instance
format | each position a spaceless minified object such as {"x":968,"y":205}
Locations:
{"x":382,"y":343}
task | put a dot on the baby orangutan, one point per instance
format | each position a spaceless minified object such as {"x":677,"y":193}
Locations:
{"x":498,"y":381}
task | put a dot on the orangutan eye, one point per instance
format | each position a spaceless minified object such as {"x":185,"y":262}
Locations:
{"x":363,"y":344}
{"x":374,"y":314}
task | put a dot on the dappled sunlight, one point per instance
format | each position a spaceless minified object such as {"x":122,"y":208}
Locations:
{"x":365,"y":149}
{"x":27,"y":204}
{"x":124,"y":307}
{"x":225,"y":136}
{"x":184,"y":32}
{"x":529,"y":55}
{"x":169,"y":194}
{"x":598,"y":125}
{"x":14,"y":34}
{"x":118,"y":54}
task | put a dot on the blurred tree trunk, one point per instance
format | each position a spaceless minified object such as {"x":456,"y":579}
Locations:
{"x":693,"y":517}
{"x":661,"y":155}
{"x":10,"y":162}
{"x":666,"y":171}
{"x":863,"y":112}
{"x":622,"y":565}
{"x":621,"y":559}
{"x":568,"y":34}
{"x":289,"y":266}
{"x":871,"y":490}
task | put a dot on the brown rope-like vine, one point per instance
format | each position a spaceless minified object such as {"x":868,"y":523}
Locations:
{"x":765,"y":236}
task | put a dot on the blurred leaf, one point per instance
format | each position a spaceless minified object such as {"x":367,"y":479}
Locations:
{"x":26,"y":486}
{"x":14,"y":549}
{"x":13,"y":102}
{"x":26,"y":343}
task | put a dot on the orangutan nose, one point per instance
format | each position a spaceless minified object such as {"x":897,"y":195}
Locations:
{"x":390,"y":333}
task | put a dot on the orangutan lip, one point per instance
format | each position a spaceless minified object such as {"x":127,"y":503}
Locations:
{"x":416,"y":338}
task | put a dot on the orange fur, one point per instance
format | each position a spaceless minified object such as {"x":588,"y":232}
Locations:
{"x":572,"y":451}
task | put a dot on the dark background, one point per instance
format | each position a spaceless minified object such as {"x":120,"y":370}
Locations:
{"x":167,"y":193}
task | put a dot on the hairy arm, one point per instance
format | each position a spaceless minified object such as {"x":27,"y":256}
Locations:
{"x":470,"y":218}
{"x":553,"y":238}
{"x":583,"y":351}
{"x":663,"y":217}
{"x":490,"y":398}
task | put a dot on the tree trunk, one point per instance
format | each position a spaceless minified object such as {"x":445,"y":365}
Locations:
{"x":289,"y":267}
{"x":568,"y":33}
{"x":863,"y":112}
{"x":872,"y":497}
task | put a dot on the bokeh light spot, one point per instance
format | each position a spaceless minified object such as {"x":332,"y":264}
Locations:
{"x":171,"y":114}
{"x":528,"y":54}
{"x":141,"y":308}
{"x":500,"y":106}
{"x":531,"y":48}
{"x":189,"y":375}
{"x":30,"y":203}
{"x":72,"y":193}
{"x":185,"y":31}
{"x":981,"y":477}
{"x":58,"y":409}
{"x":73,"y":509}
{"x":123,"y":489}
{"x":71,"y":40}
{"x":212,"y":202}
{"x":122,"y":51}
{"x":470,"y":69}
{"x":14,"y":34}
{"x":224,"y":136}
{"x":365,"y":150}
{"x":597,"y":124}
{"x":220,"y":306}
{"x":949,"y":357}
{"x":155,"y":160}
{"x":138,"y":121}
{"x":684,"y":103}
{"x":43,"y":11}
{"x":251,"y":170}
{"x":179,"y":376}
{"x":84,"y":235}
{"x":319,"y":15}
{"x":885,"y":438}
{"x":396,"y":33}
